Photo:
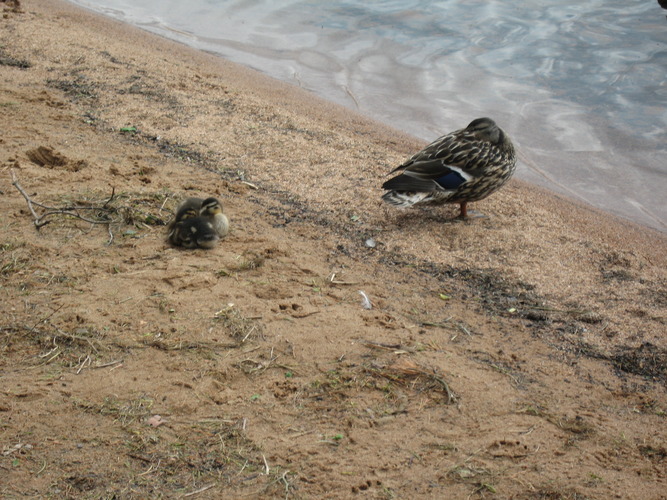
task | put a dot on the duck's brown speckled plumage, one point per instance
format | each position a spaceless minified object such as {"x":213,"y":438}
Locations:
{"x":198,"y":223}
{"x":463,"y":166}
{"x":194,"y":232}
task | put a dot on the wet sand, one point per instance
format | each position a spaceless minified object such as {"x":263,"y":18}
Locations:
{"x":522,"y":354}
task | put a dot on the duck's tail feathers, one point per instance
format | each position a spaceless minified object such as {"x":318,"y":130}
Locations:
{"x":404,"y":198}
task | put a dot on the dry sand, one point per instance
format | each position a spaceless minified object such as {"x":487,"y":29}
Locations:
{"x":520,"y":356}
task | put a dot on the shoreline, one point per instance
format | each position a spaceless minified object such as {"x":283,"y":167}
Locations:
{"x":301,"y":101}
{"x":526,"y":344}
{"x":609,"y":175}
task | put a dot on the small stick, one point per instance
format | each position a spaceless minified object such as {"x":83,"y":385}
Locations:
{"x":52,"y":358}
{"x":83,"y":364}
{"x":113,"y":193}
{"x":333,"y":280}
{"x":242,"y":468}
{"x":442,"y":324}
{"x":49,"y":353}
{"x":110,"y":235}
{"x":450,"y":395}
{"x":150,"y":469}
{"x":266,"y":465}
{"x":381,"y":345}
{"x":15,"y":182}
{"x":464,"y":329}
{"x":139,"y":457}
{"x":199,"y":490}
{"x":248,"y":335}
{"x":163,"y":203}
{"x":73,"y":211}
{"x":253,"y":186}
{"x":41,"y":470}
{"x":110,"y":363}
{"x":284,"y":480}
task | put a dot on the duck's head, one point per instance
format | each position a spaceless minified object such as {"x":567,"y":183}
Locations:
{"x":486,"y":128}
{"x":210,"y":207}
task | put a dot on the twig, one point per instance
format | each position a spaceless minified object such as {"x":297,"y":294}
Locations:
{"x":333,"y":280}
{"x":75,"y":337}
{"x":39,"y":220}
{"x":442,"y":324}
{"x":266,"y":464}
{"x":448,"y":391}
{"x":163,"y":204}
{"x":40,"y":470}
{"x":461,"y":464}
{"x":242,"y":468}
{"x":113,"y":194}
{"x":150,"y":469}
{"x":464,"y":329}
{"x":83,"y":364}
{"x":50,"y":352}
{"x":208,"y":487}
{"x":139,"y":457}
{"x":381,"y":345}
{"x":52,"y":357}
{"x":250,"y":184}
{"x":248,"y":334}
{"x":110,"y":363}
{"x":283,"y":478}
{"x":15,"y":182}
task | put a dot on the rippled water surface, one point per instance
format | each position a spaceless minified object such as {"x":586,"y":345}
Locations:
{"x":582,"y":89}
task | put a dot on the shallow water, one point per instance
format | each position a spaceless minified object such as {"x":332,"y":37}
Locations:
{"x":581,"y":89}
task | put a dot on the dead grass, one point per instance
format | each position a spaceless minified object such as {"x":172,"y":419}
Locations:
{"x":239,"y":327}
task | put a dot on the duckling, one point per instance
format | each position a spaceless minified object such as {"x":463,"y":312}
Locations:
{"x":211,"y":209}
{"x":187,"y":205}
{"x":194,"y":232}
{"x":463,"y":166}
{"x":188,"y":209}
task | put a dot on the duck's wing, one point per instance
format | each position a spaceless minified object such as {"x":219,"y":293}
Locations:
{"x":430,"y":175}
{"x":460,"y":149}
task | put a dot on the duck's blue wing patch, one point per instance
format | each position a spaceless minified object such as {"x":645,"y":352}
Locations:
{"x":451,"y":180}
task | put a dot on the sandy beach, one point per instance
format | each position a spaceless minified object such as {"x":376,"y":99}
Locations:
{"x":522,"y":355}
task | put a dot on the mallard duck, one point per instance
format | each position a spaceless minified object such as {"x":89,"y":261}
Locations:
{"x":194,"y":232}
{"x":211,"y":209}
{"x":463,"y":166}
